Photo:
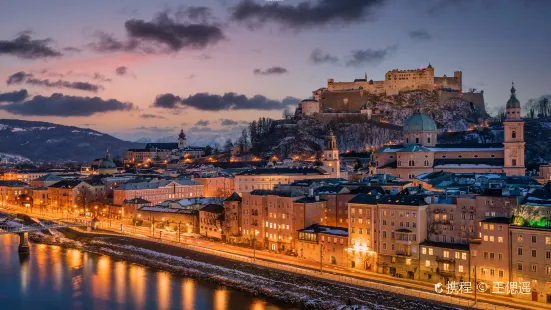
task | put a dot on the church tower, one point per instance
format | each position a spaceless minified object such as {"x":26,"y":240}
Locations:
{"x":182,"y":140}
{"x":331,"y":162}
{"x":513,"y":138}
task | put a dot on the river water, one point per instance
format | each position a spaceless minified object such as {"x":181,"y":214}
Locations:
{"x":51,"y":277}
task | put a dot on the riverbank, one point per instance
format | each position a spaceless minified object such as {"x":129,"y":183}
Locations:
{"x":290,"y":288}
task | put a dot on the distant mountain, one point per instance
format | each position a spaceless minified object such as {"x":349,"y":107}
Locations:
{"x":48,"y":142}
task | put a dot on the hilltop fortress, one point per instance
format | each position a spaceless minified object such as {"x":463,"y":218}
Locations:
{"x":340,"y":98}
{"x":397,"y":81}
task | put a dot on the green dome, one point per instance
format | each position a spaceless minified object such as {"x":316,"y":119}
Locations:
{"x":513,"y":101}
{"x":107,"y":164}
{"x":419,"y":122}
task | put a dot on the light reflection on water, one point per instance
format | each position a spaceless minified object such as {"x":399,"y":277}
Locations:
{"x":55,"y":278}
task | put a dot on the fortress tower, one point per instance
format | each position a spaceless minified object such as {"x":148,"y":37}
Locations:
{"x":513,"y":138}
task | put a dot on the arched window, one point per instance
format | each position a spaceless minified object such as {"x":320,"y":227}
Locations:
{"x":426,"y":163}
{"x":514,"y":134}
{"x":417,"y":140}
{"x":428,"y":140}
{"x":407,"y":140}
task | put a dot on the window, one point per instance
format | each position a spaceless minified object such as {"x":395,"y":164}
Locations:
{"x":427,"y":263}
{"x":424,"y":250}
{"x":519,"y":251}
{"x":519,"y":238}
{"x":430,"y":251}
{"x":548,"y":254}
{"x":500,"y":273}
{"x":457,"y":255}
{"x":548,"y":269}
{"x":500,"y":256}
{"x":534,"y":253}
{"x":534,"y":239}
{"x":446,"y":267}
{"x":460,"y":268}
{"x":446,"y":254}
{"x":464,"y":255}
{"x":514,"y":134}
{"x":519,"y":266}
{"x":500,"y":239}
{"x":534,"y":268}
{"x":547,"y":240}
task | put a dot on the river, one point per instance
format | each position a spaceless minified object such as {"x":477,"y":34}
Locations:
{"x":51,"y":277}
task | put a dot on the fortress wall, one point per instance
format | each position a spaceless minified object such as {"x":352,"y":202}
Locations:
{"x":476,"y":98}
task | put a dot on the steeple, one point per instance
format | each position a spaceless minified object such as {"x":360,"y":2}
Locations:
{"x":331,"y":161}
{"x":182,"y":140}
{"x":418,"y":106}
{"x":107,"y":155}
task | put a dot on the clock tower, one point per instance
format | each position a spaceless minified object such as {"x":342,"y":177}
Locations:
{"x":513,"y":138}
{"x":331,"y":161}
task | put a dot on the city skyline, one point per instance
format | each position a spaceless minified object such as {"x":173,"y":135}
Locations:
{"x":141,"y":51}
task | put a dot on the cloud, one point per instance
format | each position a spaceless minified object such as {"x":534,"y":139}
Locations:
{"x":162,"y":34}
{"x":200,"y":14}
{"x":438,"y":6}
{"x":66,"y":106}
{"x":145,"y":115}
{"x":122,"y":70}
{"x":306,"y":14}
{"x":202,"y":123}
{"x":228,"y":101}
{"x":18,"y":78}
{"x":276,"y":70}
{"x":14,"y":96}
{"x":420,"y":35}
{"x":25,"y":47}
{"x":319,"y":57}
{"x":360,"y":58}
{"x":156,"y":129}
{"x":200,"y":129}
{"x":100,"y":77}
{"x":27,"y":78}
{"x":167,"y":101}
{"x":71,"y":49}
{"x":228,"y":122}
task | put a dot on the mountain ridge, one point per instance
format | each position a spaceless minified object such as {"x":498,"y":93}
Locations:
{"x":49,"y":142}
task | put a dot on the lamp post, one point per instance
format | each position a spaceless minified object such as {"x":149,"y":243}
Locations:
{"x":321,"y":258}
{"x":254,"y":244}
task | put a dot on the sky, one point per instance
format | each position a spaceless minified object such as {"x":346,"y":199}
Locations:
{"x":140,"y":68}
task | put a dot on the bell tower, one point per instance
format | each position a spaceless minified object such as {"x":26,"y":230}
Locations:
{"x":513,"y":138}
{"x":331,"y":162}
{"x":182,"y":140}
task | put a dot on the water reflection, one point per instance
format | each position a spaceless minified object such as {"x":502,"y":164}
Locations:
{"x":55,"y":278}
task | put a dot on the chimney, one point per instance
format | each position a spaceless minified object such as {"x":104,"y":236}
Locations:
{"x":317,"y":198}
{"x":310,"y":192}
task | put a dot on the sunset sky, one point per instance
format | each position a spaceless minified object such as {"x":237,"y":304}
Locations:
{"x":158,"y":66}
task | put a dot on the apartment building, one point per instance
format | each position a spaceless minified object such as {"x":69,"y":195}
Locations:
{"x":491,"y":252}
{"x":158,"y":190}
{"x":402,"y":227}
{"x":363,"y":236}
{"x":444,"y":262}
{"x":271,"y":220}
{"x":324,"y":243}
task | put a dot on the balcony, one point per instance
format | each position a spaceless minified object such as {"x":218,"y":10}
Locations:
{"x":445,"y":273}
{"x":403,"y":253}
{"x":445,"y":260}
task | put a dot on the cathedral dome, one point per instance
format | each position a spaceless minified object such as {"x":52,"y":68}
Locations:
{"x":419,"y":122}
{"x":107,"y":164}
{"x":513,"y":102}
